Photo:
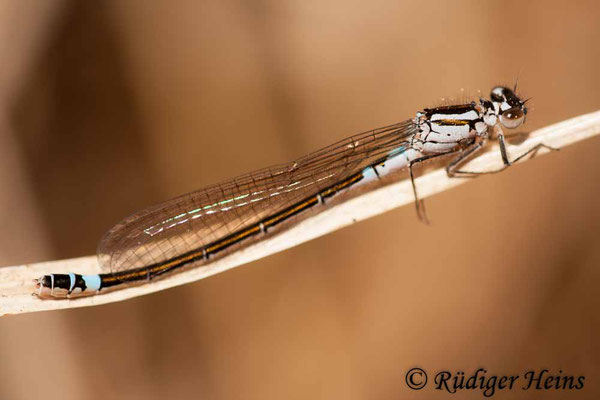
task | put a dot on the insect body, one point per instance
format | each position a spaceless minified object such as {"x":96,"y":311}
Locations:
{"x":192,"y":230}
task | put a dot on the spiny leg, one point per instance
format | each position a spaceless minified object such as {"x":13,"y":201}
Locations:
{"x":534,"y":150}
{"x":465,"y":155}
{"x":472,"y":174}
{"x":420,"y":204}
{"x":452,"y":171}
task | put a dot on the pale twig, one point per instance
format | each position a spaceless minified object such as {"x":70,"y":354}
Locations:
{"x":16,"y":283}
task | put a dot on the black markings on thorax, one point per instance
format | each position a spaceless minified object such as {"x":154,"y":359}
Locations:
{"x":449,"y":110}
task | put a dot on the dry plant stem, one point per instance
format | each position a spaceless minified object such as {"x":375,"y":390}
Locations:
{"x":16,"y":283}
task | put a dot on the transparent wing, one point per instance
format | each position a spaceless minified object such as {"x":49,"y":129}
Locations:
{"x":196,"y":219}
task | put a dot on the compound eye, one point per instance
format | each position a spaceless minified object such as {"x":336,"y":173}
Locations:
{"x":512,"y":118}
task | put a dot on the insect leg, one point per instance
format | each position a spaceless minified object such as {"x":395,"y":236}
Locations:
{"x":420,"y":204}
{"x":452,"y":170}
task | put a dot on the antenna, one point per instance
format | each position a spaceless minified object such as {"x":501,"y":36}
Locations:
{"x":517,"y":80}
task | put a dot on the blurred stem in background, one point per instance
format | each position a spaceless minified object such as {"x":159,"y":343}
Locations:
{"x":24,"y":28}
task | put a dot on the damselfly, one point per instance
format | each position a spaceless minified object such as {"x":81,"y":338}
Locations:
{"x":194,"y":229}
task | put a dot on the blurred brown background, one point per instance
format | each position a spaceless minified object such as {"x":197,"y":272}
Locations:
{"x":107,"y":107}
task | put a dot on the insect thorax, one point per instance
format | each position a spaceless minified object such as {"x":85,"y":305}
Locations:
{"x":445,"y":128}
